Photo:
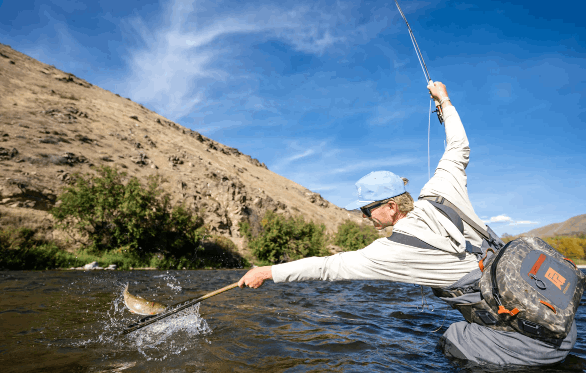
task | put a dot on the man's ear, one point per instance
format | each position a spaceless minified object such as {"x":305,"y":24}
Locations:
{"x":394,"y":207}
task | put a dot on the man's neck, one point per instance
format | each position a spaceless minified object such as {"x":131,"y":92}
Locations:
{"x":399,"y":216}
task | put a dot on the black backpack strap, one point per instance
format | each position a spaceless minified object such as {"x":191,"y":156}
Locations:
{"x":484,"y":233}
{"x":441,"y":200}
{"x":449,"y":213}
{"x":405,"y":239}
{"x":473,"y":249}
{"x":410,"y":241}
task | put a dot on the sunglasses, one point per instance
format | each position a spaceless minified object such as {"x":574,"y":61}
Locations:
{"x":367,"y":209}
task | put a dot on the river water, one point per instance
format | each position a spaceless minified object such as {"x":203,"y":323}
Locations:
{"x":61,"y":321}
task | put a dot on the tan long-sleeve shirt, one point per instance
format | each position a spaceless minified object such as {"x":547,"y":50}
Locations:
{"x":387,"y":260}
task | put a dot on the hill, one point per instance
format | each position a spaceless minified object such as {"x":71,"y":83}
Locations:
{"x":573,"y":226}
{"x":53,"y":124}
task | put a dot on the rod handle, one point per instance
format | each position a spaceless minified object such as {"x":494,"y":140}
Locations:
{"x":440,"y":112}
{"x":437,"y":104}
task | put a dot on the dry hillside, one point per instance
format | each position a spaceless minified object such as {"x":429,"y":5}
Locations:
{"x":53,"y":124}
{"x":572,"y":226}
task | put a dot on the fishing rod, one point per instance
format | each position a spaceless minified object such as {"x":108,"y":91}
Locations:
{"x":172,"y":310}
{"x":440,"y":114}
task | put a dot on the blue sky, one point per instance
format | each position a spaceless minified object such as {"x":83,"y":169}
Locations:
{"x":326,"y":92}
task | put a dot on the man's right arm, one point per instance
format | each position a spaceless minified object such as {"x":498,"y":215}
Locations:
{"x":450,"y":179}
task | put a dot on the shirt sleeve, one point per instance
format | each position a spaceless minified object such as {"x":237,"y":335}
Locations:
{"x":450,"y":173}
{"x":381,"y":260}
{"x":450,"y":179}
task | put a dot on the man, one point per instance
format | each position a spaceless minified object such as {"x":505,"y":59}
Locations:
{"x":428,"y":247}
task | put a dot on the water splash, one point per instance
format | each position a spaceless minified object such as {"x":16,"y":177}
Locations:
{"x":170,"y":336}
{"x":156,"y":342}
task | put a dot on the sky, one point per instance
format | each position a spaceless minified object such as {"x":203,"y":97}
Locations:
{"x":325,"y":92}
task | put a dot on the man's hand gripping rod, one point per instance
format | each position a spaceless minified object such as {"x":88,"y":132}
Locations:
{"x":440,"y":114}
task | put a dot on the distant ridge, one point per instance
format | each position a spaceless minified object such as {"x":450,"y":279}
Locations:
{"x":572,"y":226}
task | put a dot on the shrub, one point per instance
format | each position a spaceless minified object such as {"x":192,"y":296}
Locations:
{"x":572,"y":247}
{"x":506,"y":238}
{"x":353,"y":236}
{"x":20,"y":250}
{"x":111,"y":214}
{"x":220,"y":252}
{"x":283,"y":239}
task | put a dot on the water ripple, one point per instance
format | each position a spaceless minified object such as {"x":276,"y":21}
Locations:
{"x":70,"y":321}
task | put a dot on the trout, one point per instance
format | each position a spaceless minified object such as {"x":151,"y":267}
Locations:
{"x":141,"y":306}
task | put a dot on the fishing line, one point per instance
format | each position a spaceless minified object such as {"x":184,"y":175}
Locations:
{"x":445,"y":317}
{"x":421,"y":62}
{"x":428,"y":136}
{"x":439,"y":112}
{"x":416,"y":46}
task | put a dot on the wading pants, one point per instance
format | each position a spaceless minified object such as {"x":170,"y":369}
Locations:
{"x":483,"y":345}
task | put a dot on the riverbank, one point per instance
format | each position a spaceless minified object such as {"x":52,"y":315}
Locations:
{"x":21,"y":249}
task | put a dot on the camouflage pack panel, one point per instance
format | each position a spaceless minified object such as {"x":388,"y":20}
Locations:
{"x":537,"y":280}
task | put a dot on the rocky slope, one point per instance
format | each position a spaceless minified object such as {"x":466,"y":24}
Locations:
{"x":573,"y":226}
{"x":53,"y":124}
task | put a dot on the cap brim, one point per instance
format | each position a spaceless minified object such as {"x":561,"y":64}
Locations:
{"x":357,"y":204}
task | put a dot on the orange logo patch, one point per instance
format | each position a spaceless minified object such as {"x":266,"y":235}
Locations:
{"x":557,"y":279}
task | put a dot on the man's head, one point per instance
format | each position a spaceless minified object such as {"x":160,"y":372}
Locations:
{"x":382,"y":198}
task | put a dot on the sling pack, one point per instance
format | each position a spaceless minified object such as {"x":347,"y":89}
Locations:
{"x":526,"y":287}
{"x":529,"y":287}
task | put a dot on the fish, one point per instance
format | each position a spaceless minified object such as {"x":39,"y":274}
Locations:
{"x":141,"y":306}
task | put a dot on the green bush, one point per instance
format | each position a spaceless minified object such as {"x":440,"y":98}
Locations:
{"x":284,"y":239}
{"x":20,"y":250}
{"x":353,"y":236}
{"x":220,"y":252}
{"x":111,"y":214}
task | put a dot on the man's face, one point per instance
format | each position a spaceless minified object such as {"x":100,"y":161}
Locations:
{"x":383,"y":216}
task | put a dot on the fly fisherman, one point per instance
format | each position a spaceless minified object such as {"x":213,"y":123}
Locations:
{"x":430,"y":246}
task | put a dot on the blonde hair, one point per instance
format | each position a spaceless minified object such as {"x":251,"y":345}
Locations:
{"x":404,"y":201}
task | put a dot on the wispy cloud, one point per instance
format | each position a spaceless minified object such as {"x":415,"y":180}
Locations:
{"x":295,"y":157}
{"x":499,"y":219}
{"x":177,"y":62}
{"x":509,"y":220}
{"x":522,"y":222}
{"x":375,"y":164}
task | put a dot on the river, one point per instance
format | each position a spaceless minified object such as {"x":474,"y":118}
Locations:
{"x":69,"y":321}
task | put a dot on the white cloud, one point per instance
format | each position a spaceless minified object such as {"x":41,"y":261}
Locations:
{"x":499,"y":219}
{"x":524,"y":222}
{"x":295,"y":157}
{"x":507,"y":219}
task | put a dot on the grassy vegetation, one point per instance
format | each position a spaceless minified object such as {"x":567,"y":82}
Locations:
{"x":282,"y":239}
{"x":120,"y":221}
{"x":352,"y":236}
{"x":277,"y":239}
{"x":110,"y":211}
{"x":20,"y":249}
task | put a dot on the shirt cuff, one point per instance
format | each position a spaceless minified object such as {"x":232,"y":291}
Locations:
{"x":449,"y":111}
